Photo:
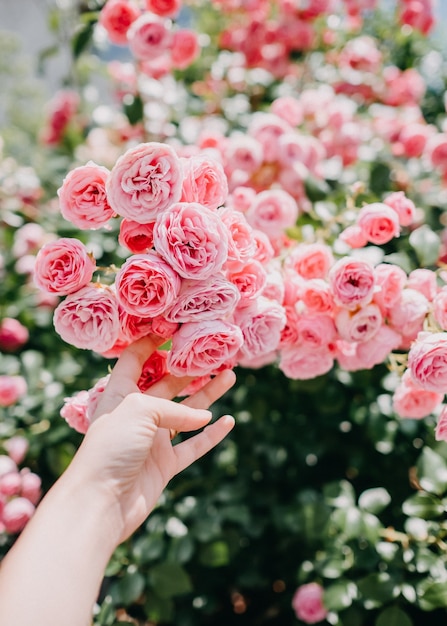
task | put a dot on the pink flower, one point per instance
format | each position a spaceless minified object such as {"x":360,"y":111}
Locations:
{"x":149,"y":37}
{"x":379,"y":223}
{"x":404,"y":207}
{"x":31,"y":486}
{"x":10,"y":484}
{"x":375,"y":350}
{"x":441,"y":426}
{"x":185,"y":48}
{"x":289,"y":109}
{"x":82,"y":196}
{"x":424,"y":281}
{"x":146,"y":285}
{"x":89,"y":318}
{"x":353,"y":236}
{"x":165,"y":8}
{"x":352,"y":282}
{"x":154,"y":368}
{"x":250,"y":280}
{"x":411,"y":401}
{"x":136,"y":237}
{"x":13,"y":334}
{"x":312,"y":260}
{"x":418,"y":14}
{"x":241,"y":237}
{"x":267,"y":128}
{"x":214,"y":298}
{"x":302,"y":363}
{"x":204,"y":182}
{"x":243,"y":154}
{"x":272,"y":211}
{"x":308,"y":604}
{"x":63,"y":266}
{"x":192,"y":239}
{"x":201,"y":348}
{"x":427,"y":361}
{"x":116,"y":17}
{"x":359,"y":325}
{"x":408,"y":313}
{"x":60,"y":111}
{"x":7,"y":465}
{"x":133,"y":327}
{"x":390,"y":280}
{"x":16,"y":514}
{"x":163,"y":327}
{"x":12,"y":388}
{"x":16,"y":447}
{"x":316,"y":296}
{"x":315,"y":330}
{"x":263,"y":248}
{"x":440,"y":308}
{"x":74,"y":411}
{"x":145,"y":181}
{"x":261,"y":323}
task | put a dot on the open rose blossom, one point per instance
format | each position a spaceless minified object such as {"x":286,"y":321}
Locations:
{"x":427,"y":361}
{"x":307,"y":603}
{"x":13,"y":334}
{"x":411,"y":401}
{"x":215,"y":298}
{"x":89,"y":318}
{"x":201,"y":348}
{"x":82,"y":196}
{"x":204,"y":182}
{"x":145,"y":181}
{"x":165,"y":8}
{"x":116,"y":17}
{"x":149,"y":37}
{"x":137,"y":238}
{"x":379,"y":223}
{"x":352,"y":282}
{"x":12,"y":388}
{"x":63,"y":266}
{"x":185,"y":48}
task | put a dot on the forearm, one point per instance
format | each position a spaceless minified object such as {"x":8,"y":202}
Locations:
{"x":52,"y":575}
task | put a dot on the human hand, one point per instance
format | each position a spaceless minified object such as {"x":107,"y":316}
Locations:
{"x":127,"y":453}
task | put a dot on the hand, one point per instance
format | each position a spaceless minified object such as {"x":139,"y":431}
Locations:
{"x":127,"y":453}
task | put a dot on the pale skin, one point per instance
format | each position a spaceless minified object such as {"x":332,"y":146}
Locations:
{"x":52,"y":574}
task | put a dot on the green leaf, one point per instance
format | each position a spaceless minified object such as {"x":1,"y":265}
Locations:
{"x":81,"y":39}
{"x":134,"y":110}
{"x":158,"y":610}
{"x":316,"y":189}
{"x":432,"y":595}
{"x":339,"y":595}
{"x":423,"y":505}
{"x":169,"y":580}
{"x":128,"y":588}
{"x":393,"y":616}
{"x":148,"y":547}
{"x":432,"y":472}
{"x":380,"y":179}
{"x":215,"y":554}
{"x":377,"y":589}
{"x":426,"y":244}
{"x":374,"y":500}
{"x":181,"y":549}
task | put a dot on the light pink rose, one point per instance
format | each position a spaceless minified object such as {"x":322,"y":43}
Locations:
{"x":192,"y":239}
{"x":136,"y":237}
{"x":164,"y":328}
{"x":441,"y":426}
{"x":411,"y":401}
{"x":200,"y":348}
{"x":89,"y":318}
{"x":424,"y":281}
{"x":241,"y":237}
{"x":16,"y":514}
{"x":31,"y":485}
{"x":12,"y":388}
{"x":165,"y":8}
{"x":63,"y":266}
{"x":263,"y":248}
{"x":404,"y":207}
{"x":267,"y":128}
{"x":10,"y":484}
{"x":352,"y":282}
{"x":243,"y":154}
{"x":354,"y":236}
{"x":440,"y":308}
{"x":289,"y":109}
{"x":82,"y":196}
{"x":407,"y":315}
{"x":312,"y":260}
{"x":274,"y":288}
{"x":28,"y":239}
{"x":116,"y":17}
{"x":16,"y":447}
{"x":149,"y":37}
{"x":145,"y":181}
{"x":261,"y":323}
{"x":146,"y":285}
{"x":204,"y":182}
{"x":74,"y":411}
{"x":185,"y":48}
{"x":273,"y":211}
{"x":307,"y":602}
{"x":13,"y":334}
{"x":7,"y":465}
{"x":249,"y":279}
{"x":241,"y":198}
{"x":390,"y":280}
{"x":375,"y":350}
{"x":359,"y":325}
{"x":378,"y":222}
{"x":427,"y":361}
{"x":315,"y":330}
{"x":316,"y":296}
{"x":254,"y":363}
{"x":301,"y":363}
{"x":214,"y":298}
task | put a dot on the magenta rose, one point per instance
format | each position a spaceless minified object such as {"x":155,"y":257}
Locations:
{"x":154,"y":368}
{"x":89,"y":319}
{"x":13,"y":334}
{"x":146,"y":285}
{"x":192,"y":239}
{"x":136,"y":237}
{"x":427,"y":361}
{"x":201,"y":348}
{"x":352,"y":282}
{"x":261,"y":323}
{"x":82,"y":196}
{"x":145,"y":181}
{"x":215,"y":298}
{"x":149,"y":37}
{"x":115,"y":17}
{"x":307,"y":602}
{"x":63,"y":266}
{"x":204,"y":182}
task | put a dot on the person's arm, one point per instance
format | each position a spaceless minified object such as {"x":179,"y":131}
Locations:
{"x":52,"y":574}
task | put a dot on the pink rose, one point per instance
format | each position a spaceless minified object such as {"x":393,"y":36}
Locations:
{"x":408,"y":313}
{"x":136,"y":237}
{"x":316,"y":296}
{"x":308,"y":604}
{"x":312,"y":260}
{"x":149,"y":37}
{"x":289,"y":109}
{"x":411,"y":401}
{"x":249,"y":279}
{"x":146,"y":285}
{"x":302,"y":363}
{"x":163,"y":327}
{"x":379,"y":223}
{"x":145,"y":181}
{"x":263,"y":248}
{"x":63,"y":266}
{"x":241,"y":198}
{"x":10,"y":484}
{"x":74,"y":411}
{"x":116,"y":17}
{"x":154,"y":368}
{"x":7,"y":465}
{"x":214,"y":298}
{"x":201,"y":348}
{"x":267,"y":128}
{"x":16,"y":447}
{"x":165,"y":8}
{"x":243,"y":154}
{"x":359,"y":325}
{"x":13,"y":334}
{"x":89,"y":318}
{"x":27,"y":239}
{"x":12,"y":388}
{"x":204,"y":182}
{"x":352,"y":282}
{"x":16,"y":514}
{"x":82,"y":196}
{"x":241,"y":237}
{"x":133,"y":327}
{"x":440,"y":308}
{"x":390,"y":280}
{"x":185,"y":48}
{"x":192,"y":239}
{"x":441,"y":426}
{"x":427,"y":361}
{"x":424,"y":281}
{"x":273,"y":211}
{"x":353,"y":236}
{"x":261,"y":323}
{"x":274,"y":288}
{"x":375,"y":350}
{"x":404,"y":207}
{"x":31,"y":486}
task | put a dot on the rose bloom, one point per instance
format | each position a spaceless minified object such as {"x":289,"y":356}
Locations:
{"x":145,"y":181}
{"x":274,"y":288}
{"x":185,"y":48}
{"x":413,"y":139}
{"x":60,"y":110}
{"x":440,"y":308}
{"x":165,"y":8}
{"x":312,"y":260}
{"x":164,"y":328}
{"x":16,"y":514}
{"x":261,"y":323}
{"x":89,"y":318}
{"x":379,"y":223}
{"x":74,"y":411}
{"x":352,"y":282}
{"x":441,"y":426}
{"x":427,"y":361}
{"x":12,"y":388}
{"x":289,"y":109}
{"x":27,"y":239}
{"x":10,"y":484}
{"x":31,"y":485}
{"x":359,"y":325}
{"x":307,"y":602}
{"x":204,"y":182}
{"x":13,"y":334}
{"x":424,"y":281}
{"x":316,"y":296}
{"x":353,"y":236}
{"x":302,"y":363}
{"x":411,"y":401}
{"x":267,"y":128}
{"x":243,"y":153}
{"x":272,"y":211}
{"x":82,"y":196}
{"x":16,"y":447}
{"x":154,"y":368}
{"x":149,"y":37}
{"x":249,"y":279}
{"x":364,"y":355}
{"x":214,"y":298}
{"x":241,"y":237}
{"x":136,"y":237}
{"x":192,"y":239}
{"x":63,"y":266}
{"x":408,"y":314}
{"x":146,"y":285}
{"x":116,"y":17}
{"x":133,"y":327}
{"x":418,"y":14}
{"x":201,"y":348}
{"x":404,"y":207}
{"x":390,"y":280}
{"x":241,"y":198}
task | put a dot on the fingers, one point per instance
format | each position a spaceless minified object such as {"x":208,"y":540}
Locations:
{"x":212,"y":391}
{"x":189,"y":451}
